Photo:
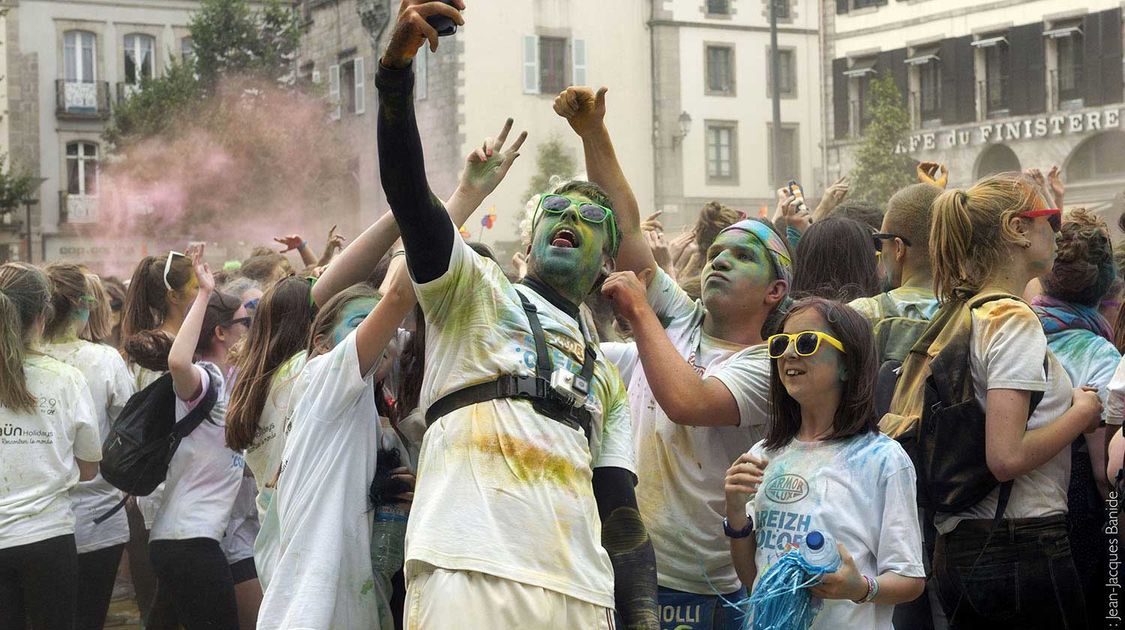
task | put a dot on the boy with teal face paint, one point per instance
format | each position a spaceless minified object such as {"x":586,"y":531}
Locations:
{"x":519,"y":519}
{"x":693,"y":364}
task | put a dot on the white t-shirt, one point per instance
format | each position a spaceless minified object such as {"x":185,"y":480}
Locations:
{"x":910,"y":302}
{"x":862,"y":491}
{"x":501,"y":489}
{"x":150,"y":503}
{"x":1115,"y":403}
{"x":1006,"y":352}
{"x":264,"y":454}
{"x":110,"y":385}
{"x":680,"y":469}
{"x":323,"y":576}
{"x":37,"y":452}
{"x":1089,"y":359}
{"x":204,"y":475}
{"x":243,"y":526}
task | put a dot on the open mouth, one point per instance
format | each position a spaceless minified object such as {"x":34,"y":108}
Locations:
{"x":564,"y":238}
{"x":794,"y":372}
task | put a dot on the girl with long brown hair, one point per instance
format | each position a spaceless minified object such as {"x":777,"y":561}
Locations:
{"x":99,"y":545}
{"x":49,"y":441}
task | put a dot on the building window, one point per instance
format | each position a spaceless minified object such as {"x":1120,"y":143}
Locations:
{"x":722,"y":153}
{"x":138,"y":58}
{"x":1069,"y":71}
{"x":996,"y":78}
{"x":789,"y":163}
{"x":82,"y":168}
{"x":863,"y":4}
{"x":552,"y":65}
{"x":929,"y":91}
{"x":78,"y":57}
{"x":787,"y":71}
{"x":781,"y":7}
{"x":720,"y":70}
{"x":718,"y":7}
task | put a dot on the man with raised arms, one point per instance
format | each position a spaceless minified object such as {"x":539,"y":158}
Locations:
{"x":524,"y":514}
{"x":697,"y":375}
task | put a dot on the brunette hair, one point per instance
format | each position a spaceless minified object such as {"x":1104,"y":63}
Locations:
{"x":865,"y":212}
{"x":260,"y":268}
{"x":972,"y":231}
{"x":146,"y":306}
{"x":280,"y":330}
{"x":99,"y":329}
{"x":68,"y":286}
{"x":25,"y":295}
{"x":836,"y":260}
{"x":326,"y":319}
{"x":714,"y":217}
{"x":1083,"y":271}
{"x":856,"y":411}
{"x":221,"y":309}
{"x":413,"y":365}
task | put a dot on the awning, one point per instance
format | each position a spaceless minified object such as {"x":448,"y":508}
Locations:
{"x":923,"y":55}
{"x":989,"y":42}
{"x":861,"y":67}
{"x":1064,"y":28}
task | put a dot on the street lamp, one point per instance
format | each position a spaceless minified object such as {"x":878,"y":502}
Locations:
{"x":29,"y":201}
{"x":685,"y":129}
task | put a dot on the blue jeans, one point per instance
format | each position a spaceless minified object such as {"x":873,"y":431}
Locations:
{"x":689,"y":611}
{"x":1024,"y":579}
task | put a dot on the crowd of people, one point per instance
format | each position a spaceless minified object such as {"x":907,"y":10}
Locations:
{"x":615,"y":430}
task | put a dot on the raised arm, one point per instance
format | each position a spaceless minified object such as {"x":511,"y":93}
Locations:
{"x":381,"y":325}
{"x":626,"y":540}
{"x":181,"y":358}
{"x":427,"y":233}
{"x":485,"y":167}
{"x":585,"y":112}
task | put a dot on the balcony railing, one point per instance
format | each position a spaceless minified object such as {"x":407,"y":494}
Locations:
{"x":10,"y":221}
{"x":126,"y":90}
{"x":925,"y":109}
{"x":81,"y":100}
{"x":1066,"y":88}
{"x":74,"y":208}
{"x":993,"y":93}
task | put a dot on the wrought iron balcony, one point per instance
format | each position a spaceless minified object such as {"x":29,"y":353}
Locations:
{"x":80,"y":100}
{"x":74,"y":208}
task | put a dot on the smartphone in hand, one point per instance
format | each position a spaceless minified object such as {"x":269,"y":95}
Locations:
{"x":795,"y":191}
{"x":442,"y":24}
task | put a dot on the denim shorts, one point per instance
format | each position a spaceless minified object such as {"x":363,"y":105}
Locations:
{"x":1024,"y":579}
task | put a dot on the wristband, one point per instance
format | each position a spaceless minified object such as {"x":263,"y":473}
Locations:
{"x":736,"y":533}
{"x":303,"y":245}
{"x":872,"y":590}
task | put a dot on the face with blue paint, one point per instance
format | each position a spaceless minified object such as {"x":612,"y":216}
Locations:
{"x":351,"y":316}
{"x":568,"y":253}
{"x":738,"y":275}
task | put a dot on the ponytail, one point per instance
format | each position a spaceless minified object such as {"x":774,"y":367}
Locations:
{"x":24,"y":296}
{"x":146,"y":306}
{"x":68,"y":286}
{"x":972,"y":233}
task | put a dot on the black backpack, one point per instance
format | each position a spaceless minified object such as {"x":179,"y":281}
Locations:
{"x":145,"y":436}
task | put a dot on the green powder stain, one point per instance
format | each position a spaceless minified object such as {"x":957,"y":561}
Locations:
{"x":368,"y":586}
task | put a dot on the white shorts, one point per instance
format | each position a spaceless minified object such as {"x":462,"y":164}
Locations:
{"x":439,"y":599}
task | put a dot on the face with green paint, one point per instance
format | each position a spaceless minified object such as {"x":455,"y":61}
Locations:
{"x":810,"y":379}
{"x":568,"y":253}
{"x":738,"y":274}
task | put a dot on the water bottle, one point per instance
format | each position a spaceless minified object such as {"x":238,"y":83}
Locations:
{"x":388,"y":539}
{"x":819,"y":551}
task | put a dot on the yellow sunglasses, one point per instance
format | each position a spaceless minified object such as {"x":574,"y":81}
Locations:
{"x":806,"y":343}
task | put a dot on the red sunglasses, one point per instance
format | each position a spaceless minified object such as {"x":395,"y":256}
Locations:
{"x":1054,"y":216}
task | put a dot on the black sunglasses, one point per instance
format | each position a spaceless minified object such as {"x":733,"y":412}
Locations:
{"x":245,"y":321}
{"x":879,"y":237}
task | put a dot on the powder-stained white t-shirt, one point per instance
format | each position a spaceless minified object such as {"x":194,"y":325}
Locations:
{"x":110,"y":385}
{"x":862,"y":491}
{"x":502,"y":489}
{"x":204,"y":475}
{"x":264,"y":454}
{"x":1006,"y":352}
{"x":680,"y":469}
{"x":38,"y":449}
{"x":322,"y":575}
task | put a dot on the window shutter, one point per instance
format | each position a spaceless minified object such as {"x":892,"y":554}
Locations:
{"x":578,"y":62}
{"x":1111,"y":56}
{"x":893,"y":62}
{"x":1092,"y":59}
{"x":531,"y":64}
{"x":842,"y":6}
{"x":360,"y":91}
{"x":840,"y":97}
{"x":334,"y":90}
{"x":962,"y":67}
{"x":1026,"y":80}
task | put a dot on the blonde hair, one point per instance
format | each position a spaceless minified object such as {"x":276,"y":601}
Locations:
{"x":25,"y":295}
{"x":100,"y":327}
{"x":972,"y":231}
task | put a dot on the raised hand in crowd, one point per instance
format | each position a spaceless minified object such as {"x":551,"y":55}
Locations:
{"x":789,"y":214}
{"x":652,"y":222}
{"x":832,"y":198}
{"x":659,"y":247}
{"x":1055,"y":185}
{"x":489,"y":163}
{"x":411,"y":30}
{"x":335,"y":244}
{"x":933,"y":173}
{"x":297,"y":242}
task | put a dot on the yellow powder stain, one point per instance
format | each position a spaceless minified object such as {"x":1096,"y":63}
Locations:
{"x":529,"y":462}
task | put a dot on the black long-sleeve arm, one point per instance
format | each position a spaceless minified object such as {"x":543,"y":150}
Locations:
{"x":427,"y":232}
{"x":630,"y":550}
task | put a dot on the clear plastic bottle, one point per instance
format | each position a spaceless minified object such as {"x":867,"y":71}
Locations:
{"x":388,"y":539}
{"x":819,"y":550}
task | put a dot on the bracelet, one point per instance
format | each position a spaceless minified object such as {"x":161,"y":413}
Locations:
{"x":303,"y":245}
{"x":738,"y":533}
{"x":872,"y":590}
{"x":401,"y":252}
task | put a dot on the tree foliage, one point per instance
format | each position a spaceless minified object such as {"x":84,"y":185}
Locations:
{"x":553,"y":161}
{"x":15,"y":187}
{"x":228,"y":38}
{"x":881,"y":169}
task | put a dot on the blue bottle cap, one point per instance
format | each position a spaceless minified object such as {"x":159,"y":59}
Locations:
{"x":815,"y":540}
